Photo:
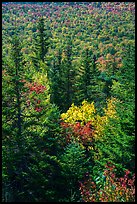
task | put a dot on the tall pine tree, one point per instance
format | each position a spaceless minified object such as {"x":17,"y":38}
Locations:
{"x":42,"y":42}
{"x":87,"y":84}
{"x":12,"y":128}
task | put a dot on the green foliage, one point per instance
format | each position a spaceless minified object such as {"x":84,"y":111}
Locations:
{"x":55,"y":74}
{"x":109,"y":187}
{"x":74,"y":161}
{"x":113,"y":148}
{"x":62,"y":77}
{"x":74,"y":166}
{"x":30,"y":136}
{"x":42,"y":42}
{"x":55,"y":55}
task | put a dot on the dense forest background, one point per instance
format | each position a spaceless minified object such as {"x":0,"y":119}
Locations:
{"x":68,"y":101}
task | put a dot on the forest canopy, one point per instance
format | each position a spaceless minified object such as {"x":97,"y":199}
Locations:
{"x":68,"y":101}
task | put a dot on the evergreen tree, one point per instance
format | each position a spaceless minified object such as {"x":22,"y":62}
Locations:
{"x":68,"y":69}
{"x":30,"y":133}
{"x":74,"y":166}
{"x":88,"y":83}
{"x":55,"y":75}
{"x":84,"y":76}
{"x":62,"y":77}
{"x":13,"y":139}
{"x":87,"y":77}
{"x":42,"y":42}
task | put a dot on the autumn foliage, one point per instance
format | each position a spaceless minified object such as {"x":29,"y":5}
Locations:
{"x":82,"y":133}
{"x":37,"y":88}
{"x":112,"y":189}
{"x":91,"y":125}
{"x":68,"y":93}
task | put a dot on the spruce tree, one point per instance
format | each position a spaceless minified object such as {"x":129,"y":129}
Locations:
{"x":62,"y":77}
{"x":69,"y":74}
{"x":88,"y":83}
{"x":42,"y":42}
{"x":13,"y":140}
{"x":55,"y":75}
{"x":30,"y":133}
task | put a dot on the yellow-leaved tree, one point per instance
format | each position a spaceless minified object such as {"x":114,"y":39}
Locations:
{"x":85,"y":123}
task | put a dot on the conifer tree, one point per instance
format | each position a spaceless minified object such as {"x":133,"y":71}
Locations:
{"x":30,"y":126}
{"x":42,"y":42}
{"x":69,"y":74}
{"x":55,"y":75}
{"x":88,"y":83}
{"x":62,"y":77}
{"x":12,"y":116}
